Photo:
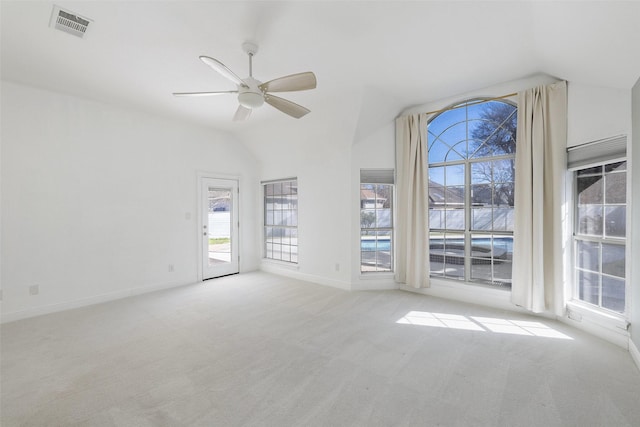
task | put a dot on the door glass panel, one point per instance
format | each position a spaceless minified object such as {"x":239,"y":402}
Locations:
{"x":219,"y":225}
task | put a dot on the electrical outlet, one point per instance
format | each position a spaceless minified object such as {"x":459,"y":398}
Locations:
{"x":170,"y":268}
{"x":34,"y":289}
{"x":337,"y":266}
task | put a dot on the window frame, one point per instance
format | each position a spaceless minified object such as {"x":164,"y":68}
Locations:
{"x":291,"y":230}
{"x":375,"y":229}
{"x":468,"y":232}
{"x":574,"y":300}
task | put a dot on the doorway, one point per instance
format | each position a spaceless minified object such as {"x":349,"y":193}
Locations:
{"x":219,"y":227}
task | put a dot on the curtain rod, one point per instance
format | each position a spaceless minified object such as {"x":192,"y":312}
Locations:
{"x":466,"y":104}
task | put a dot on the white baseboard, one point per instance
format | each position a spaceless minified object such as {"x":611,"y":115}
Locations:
{"x":635,"y":353}
{"x":83,"y":302}
{"x":268,"y":267}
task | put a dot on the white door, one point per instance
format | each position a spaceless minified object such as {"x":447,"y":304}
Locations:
{"x":219,"y":227}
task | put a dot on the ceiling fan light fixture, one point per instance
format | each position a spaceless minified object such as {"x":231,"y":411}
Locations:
{"x":250,"y":99}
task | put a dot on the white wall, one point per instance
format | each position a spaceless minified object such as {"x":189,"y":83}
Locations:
{"x":317,"y":150}
{"x":97,"y":201}
{"x":595,"y":113}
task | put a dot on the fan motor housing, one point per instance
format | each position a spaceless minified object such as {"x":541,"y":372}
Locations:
{"x":251,"y":96}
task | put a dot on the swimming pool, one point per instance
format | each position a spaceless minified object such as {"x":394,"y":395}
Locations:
{"x":501,"y":244}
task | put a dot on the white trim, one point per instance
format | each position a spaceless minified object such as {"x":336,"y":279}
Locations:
{"x":84,"y":302}
{"x":635,"y":353}
{"x":200,"y":175}
{"x":269,"y":267}
{"x":607,"y":326}
{"x":470,"y":293}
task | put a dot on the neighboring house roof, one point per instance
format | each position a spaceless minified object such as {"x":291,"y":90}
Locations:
{"x":439,"y":194}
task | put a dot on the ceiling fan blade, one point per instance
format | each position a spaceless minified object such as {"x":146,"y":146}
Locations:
{"x":294,"y":82}
{"x":287,"y":107}
{"x":242,"y":113}
{"x":223,"y":70}
{"x":225,"y":92}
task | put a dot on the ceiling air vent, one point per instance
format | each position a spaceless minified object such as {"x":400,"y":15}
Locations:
{"x":69,"y":22}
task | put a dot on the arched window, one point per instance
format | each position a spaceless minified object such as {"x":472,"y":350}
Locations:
{"x":471,"y":191}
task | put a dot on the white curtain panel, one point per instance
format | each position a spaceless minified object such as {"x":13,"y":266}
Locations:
{"x":539,"y":196}
{"x":412,"y":247}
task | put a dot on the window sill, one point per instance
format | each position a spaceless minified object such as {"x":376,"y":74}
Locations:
{"x":467,"y":292}
{"x":279,"y":264}
{"x":377,"y":275}
{"x":608,"y":326}
{"x":577,"y":311}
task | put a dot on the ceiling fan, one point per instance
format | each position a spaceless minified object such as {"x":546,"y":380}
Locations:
{"x":253,"y":93}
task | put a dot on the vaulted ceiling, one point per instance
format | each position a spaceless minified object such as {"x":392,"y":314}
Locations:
{"x":136,"y":53}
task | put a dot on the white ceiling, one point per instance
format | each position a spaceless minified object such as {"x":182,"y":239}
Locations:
{"x":136,"y":53}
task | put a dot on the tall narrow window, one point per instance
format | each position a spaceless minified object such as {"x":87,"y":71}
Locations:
{"x":281,"y":220}
{"x":600,"y":235}
{"x":471,"y":192}
{"x":376,"y":220}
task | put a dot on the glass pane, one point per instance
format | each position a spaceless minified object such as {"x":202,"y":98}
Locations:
{"x":588,"y":287}
{"x":268,"y":189}
{"x":277,"y":251}
{"x":436,"y":175}
{"x":613,"y":260}
{"x":437,"y":150}
{"x":454,"y":175}
{"x":588,"y":255}
{"x":504,"y":170}
{"x":383,"y":254}
{"x":481,"y":194}
{"x":616,"y":188}
{"x":481,"y":270}
{"x":502,"y":273}
{"x":383,"y":218}
{"x":277,"y":218}
{"x":503,"y":247}
{"x":454,"y":244}
{"x":456,"y":130}
{"x":457,"y":152}
{"x":286,"y":253}
{"x":615,"y":221}
{"x":616,"y":167}
{"x":503,"y":219}
{"x":454,"y":196}
{"x":436,"y":218}
{"x":268,"y":217}
{"x":504,"y":194}
{"x":454,"y":267}
{"x":481,"y":173}
{"x":454,"y":219}
{"x":481,"y":218}
{"x":481,"y":246}
{"x":613,"y":294}
{"x":496,"y":128}
{"x":590,"y":190}
{"x":596,"y":170}
{"x":590,"y":220}
{"x":436,"y":254}
{"x":284,"y":237}
{"x":219,"y":225}
{"x":367,"y":218}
